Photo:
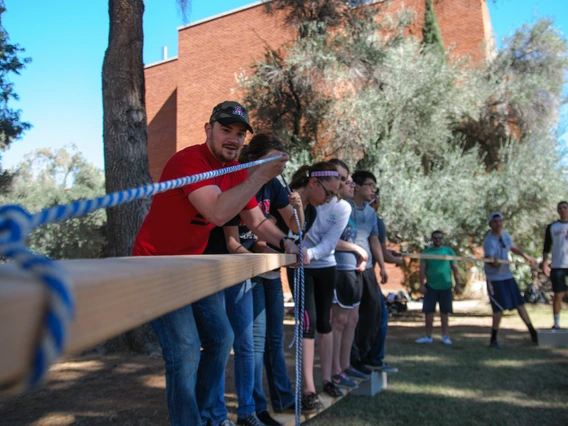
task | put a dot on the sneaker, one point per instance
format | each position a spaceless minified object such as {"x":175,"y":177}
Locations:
{"x":359,"y":366}
{"x":267,"y":419}
{"x":356,"y":374}
{"x":342,"y":381}
{"x":251,"y":420}
{"x":385,"y":368}
{"x":425,"y":339}
{"x":555,"y":328}
{"x":226,"y":422}
{"x":495,"y":345}
{"x":446,"y":340}
{"x":534,"y":335}
{"x":311,"y":402}
{"x":373,"y":365}
{"x":332,"y":390}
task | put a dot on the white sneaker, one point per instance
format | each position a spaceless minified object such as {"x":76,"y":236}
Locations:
{"x":425,"y":339}
{"x":446,"y":340}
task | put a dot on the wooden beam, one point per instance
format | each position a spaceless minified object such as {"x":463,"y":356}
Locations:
{"x":114,"y":295}
{"x":461,"y":258}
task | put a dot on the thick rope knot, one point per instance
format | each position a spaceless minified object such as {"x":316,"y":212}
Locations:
{"x":15,"y":226}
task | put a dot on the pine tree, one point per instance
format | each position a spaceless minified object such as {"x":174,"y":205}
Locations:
{"x":431,"y":34}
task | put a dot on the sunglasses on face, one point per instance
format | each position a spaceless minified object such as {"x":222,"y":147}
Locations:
{"x":437,"y":238}
{"x":328,"y":194}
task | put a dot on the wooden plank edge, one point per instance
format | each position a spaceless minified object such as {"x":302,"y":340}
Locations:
{"x":114,"y":295}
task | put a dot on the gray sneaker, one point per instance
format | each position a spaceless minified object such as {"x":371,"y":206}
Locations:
{"x":353,"y":373}
{"x":385,"y":368}
{"x":251,"y":420}
{"x":226,"y":422}
{"x":342,"y":381}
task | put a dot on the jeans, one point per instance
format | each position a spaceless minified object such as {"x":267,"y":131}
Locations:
{"x":240,"y":314}
{"x":216,"y":341}
{"x":377,"y":352}
{"x":193,"y":379}
{"x":268,"y":333}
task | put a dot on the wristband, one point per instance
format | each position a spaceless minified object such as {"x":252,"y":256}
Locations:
{"x":282,"y":242}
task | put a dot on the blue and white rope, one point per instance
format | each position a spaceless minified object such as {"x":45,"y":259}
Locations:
{"x":299,"y":322}
{"x":15,"y":226}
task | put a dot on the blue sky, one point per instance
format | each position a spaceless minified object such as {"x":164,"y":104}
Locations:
{"x":60,"y":90}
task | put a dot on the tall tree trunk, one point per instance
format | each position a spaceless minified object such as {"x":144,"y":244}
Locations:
{"x":125,"y":130}
{"x":125,"y":135}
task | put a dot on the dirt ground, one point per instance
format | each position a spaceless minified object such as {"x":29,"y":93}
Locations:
{"x":128,"y":389}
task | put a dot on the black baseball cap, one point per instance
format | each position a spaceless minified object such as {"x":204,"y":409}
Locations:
{"x":230,"y":112}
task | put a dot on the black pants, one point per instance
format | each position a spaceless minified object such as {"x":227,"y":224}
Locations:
{"x":369,"y":316}
{"x":318,"y":298}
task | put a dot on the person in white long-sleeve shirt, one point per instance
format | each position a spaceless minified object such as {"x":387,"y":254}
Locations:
{"x":319,"y":275}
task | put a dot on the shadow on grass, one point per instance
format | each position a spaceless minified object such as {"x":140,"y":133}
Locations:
{"x":117,"y":389}
{"x":462,"y":384}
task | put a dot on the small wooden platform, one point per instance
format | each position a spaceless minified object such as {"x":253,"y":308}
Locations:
{"x":375,"y":384}
{"x":114,"y":295}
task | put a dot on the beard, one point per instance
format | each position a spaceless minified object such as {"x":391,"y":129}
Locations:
{"x":223,"y":155}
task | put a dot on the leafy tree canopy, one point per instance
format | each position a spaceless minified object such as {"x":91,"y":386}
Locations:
{"x":11,"y":126}
{"x":450,"y":141}
{"x":48,"y":178}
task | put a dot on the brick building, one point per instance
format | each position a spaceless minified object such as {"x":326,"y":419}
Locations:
{"x":180,"y":92}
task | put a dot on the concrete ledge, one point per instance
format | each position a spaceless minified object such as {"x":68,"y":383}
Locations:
{"x":553,"y":338}
{"x":373,"y":386}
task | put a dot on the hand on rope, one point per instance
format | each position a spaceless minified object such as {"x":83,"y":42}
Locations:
{"x":15,"y":226}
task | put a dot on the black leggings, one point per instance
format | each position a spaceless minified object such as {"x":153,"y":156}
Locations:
{"x":318,"y":299}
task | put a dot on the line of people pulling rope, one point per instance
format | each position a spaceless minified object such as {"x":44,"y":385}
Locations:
{"x":252,"y":212}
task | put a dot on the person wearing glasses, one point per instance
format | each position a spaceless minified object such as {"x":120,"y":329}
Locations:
{"x":317,"y":186}
{"x":363,"y":357}
{"x":436,"y":286}
{"x":351,"y":262}
{"x":502,"y":288}
{"x":556,"y":240}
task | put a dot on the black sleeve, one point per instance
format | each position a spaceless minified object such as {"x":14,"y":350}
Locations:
{"x":547,"y":239}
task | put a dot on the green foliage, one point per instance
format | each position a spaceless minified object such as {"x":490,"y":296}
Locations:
{"x":53,"y":177}
{"x":11,"y":127}
{"x":523,"y":90}
{"x":449,"y":140}
{"x":431,"y":33}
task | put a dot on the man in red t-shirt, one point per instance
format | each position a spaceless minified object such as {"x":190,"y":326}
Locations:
{"x":179,"y":222}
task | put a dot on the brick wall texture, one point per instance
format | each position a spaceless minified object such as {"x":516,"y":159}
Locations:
{"x":181,"y":93}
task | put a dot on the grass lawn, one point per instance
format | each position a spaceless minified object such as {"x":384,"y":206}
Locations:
{"x":463,"y":384}
{"x":466,"y":383}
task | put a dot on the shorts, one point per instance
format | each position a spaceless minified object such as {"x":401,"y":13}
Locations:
{"x":443,"y":297}
{"x":348,"y":289}
{"x":558,"y":278}
{"x":506,"y":295}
